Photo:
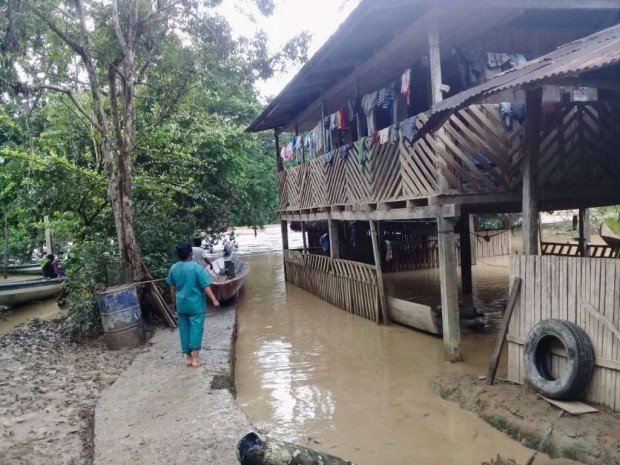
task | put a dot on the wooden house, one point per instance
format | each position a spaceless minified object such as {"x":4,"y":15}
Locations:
{"x":387,"y":122}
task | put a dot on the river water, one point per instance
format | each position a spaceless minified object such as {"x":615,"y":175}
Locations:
{"x":10,"y":318}
{"x":310,"y":373}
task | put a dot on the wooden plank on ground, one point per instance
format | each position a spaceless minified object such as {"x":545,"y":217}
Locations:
{"x":411,"y":314}
{"x":574,"y":408}
{"x":503,"y":330}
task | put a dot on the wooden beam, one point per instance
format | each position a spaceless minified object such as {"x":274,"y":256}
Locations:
{"x":285,"y":245}
{"x":377,"y":255}
{"x":415,"y":213}
{"x":584,"y":230}
{"x":449,"y":290}
{"x":466,"y":256}
{"x":530,"y":157}
{"x":503,"y":330}
{"x":279,"y":161}
{"x":546,"y":5}
{"x":334,"y":239}
{"x":303,"y":236}
{"x":473,"y":243}
{"x":434,"y":54}
{"x":6,"y":246}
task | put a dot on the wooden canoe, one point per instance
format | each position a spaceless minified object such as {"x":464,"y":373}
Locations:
{"x":19,"y":292}
{"x":27,"y":269}
{"x":226,"y":289}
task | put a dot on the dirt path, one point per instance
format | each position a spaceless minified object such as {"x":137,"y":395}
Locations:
{"x":48,"y":390}
{"x":592,"y":439}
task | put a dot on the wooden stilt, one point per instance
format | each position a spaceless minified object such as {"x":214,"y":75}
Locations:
{"x":473,"y":240}
{"x":284,"y":229}
{"x":449,"y":290}
{"x":377,"y":256}
{"x":434,"y":54}
{"x":584,"y":230}
{"x":466,"y":254}
{"x":303,"y":236}
{"x":6,"y":247}
{"x":334,"y":239}
{"x":530,"y":185}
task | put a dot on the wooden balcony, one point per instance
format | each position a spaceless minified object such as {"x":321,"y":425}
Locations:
{"x":473,"y":158}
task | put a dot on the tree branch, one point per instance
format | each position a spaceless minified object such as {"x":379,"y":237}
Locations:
{"x":117,"y":28}
{"x":91,"y":119}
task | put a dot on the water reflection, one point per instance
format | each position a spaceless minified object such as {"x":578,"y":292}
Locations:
{"x":311,"y":373}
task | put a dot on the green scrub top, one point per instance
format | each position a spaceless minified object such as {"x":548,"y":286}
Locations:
{"x":190,"y":279}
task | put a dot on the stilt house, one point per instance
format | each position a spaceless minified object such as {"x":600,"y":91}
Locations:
{"x":398,"y":123}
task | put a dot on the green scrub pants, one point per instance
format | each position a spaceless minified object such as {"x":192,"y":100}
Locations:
{"x":191,"y":329}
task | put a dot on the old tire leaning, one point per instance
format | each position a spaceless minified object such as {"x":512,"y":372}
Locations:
{"x":577,"y":375}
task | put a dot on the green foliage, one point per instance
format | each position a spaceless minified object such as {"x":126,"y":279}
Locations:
{"x":87,"y":271}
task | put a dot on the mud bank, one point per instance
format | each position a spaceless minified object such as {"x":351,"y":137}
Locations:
{"x":48,"y":390}
{"x":592,"y":439}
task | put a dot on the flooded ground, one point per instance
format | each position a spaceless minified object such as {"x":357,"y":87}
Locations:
{"x":311,"y":373}
{"x":10,"y":318}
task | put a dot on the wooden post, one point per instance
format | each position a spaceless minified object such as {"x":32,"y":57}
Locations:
{"x":358,"y":120}
{"x":466,"y":254}
{"x":530,"y":171}
{"x":284,"y":229}
{"x":503,"y":330}
{"x":584,"y":231}
{"x":334,"y":239}
{"x":279,"y":161}
{"x":303,"y":236}
{"x":473,"y":239}
{"x":6,"y":247}
{"x":434,"y":56}
{"x":449,"y":290}
{"x":377,"y":255}
{"x":324,"y":131}
{"x":48,"y":235}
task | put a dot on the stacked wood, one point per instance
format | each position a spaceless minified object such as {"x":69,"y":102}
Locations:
{"x":252,"y":450}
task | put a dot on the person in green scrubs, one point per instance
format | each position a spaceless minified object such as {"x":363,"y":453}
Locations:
{"x":189,"y":283}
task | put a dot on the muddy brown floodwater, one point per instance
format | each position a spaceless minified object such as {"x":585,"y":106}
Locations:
{"x":10,"y":318}
{"x":310,"y":373}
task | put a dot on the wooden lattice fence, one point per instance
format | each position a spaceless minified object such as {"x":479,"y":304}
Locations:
{"x":585,"y":291}
{"x":348,"y":285}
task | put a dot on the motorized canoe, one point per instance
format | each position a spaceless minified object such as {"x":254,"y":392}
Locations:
{"x":19,"y":292}
{"x":224,"y":287}
{"x":32,"y":269}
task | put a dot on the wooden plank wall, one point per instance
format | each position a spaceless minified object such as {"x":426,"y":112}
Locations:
{"x":564,"y":288}
{"x":348,"y":285}
{"x":415,"y":252}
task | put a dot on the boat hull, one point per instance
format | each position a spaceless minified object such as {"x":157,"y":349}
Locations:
{"x":226,"y":289}
{"x":20,"y":292}
{"x":30,"y":270}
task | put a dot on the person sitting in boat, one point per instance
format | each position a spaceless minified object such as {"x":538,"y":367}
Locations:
{"x":59,"y":270}
{"x":200,"y":255}
{"x":47,"y":267}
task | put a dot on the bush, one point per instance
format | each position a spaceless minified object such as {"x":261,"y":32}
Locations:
{"x":86,"y":271}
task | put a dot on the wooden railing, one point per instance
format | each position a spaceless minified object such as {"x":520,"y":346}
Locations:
{"x":560,"y":249}
{"x":473,"y":151}
{"x":350,"y":286}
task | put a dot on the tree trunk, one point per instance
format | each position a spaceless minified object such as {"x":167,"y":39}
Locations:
{"x":252,"y":450}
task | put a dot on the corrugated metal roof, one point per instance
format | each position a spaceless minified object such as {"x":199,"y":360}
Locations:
{"x":591,"y":53}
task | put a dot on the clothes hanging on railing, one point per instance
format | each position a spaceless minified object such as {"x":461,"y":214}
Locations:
{"x":329,"y":159}
{"x":317,"y":135}
{"x":362,"y":154}
{"x":512,"y":110}
{"x":504,"y":60}
{"x":394,"y":135}
{"x":344,"y":151}
{"x":405,"y":85}
{"x":384,"y":136}
{"x":408,"y":129}
{"x":287,"y":152}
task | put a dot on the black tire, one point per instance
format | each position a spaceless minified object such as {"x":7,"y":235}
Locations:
{"x":575,"y":379}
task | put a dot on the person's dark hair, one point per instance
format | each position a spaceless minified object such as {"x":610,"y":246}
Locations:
{"x":184,"y":251}
{"x":197,"y":241}
{"x":50,"y":257}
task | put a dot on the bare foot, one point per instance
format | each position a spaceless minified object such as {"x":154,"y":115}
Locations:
{"x":189,"y":360}
{"x":195,"y":359}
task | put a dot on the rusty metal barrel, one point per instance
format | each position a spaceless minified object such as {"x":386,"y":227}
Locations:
{"x":121,"y":317}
